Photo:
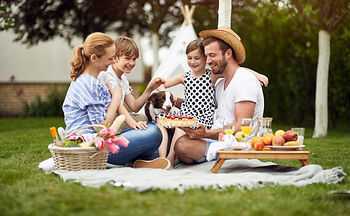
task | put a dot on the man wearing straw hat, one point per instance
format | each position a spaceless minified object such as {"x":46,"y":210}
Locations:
{"x":238,"y":94}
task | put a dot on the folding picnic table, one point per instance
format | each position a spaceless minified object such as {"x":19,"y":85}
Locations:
{"x":222,"y":155}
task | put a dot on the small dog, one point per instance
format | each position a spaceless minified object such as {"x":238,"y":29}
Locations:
{"x":159,"y":102}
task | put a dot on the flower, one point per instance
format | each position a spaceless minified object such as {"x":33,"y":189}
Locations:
{"x":107,"y":138}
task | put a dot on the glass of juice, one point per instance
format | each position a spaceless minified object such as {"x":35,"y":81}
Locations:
{"x":246,"y":126}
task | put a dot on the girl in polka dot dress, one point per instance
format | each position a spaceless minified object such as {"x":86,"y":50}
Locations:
{"x":199,"y":90}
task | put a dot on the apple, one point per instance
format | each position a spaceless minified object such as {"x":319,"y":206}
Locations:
{"x":259,"y":145}
{"x":290,"y":136}
{"x":278,"y":141}
{"x":254,"y":140}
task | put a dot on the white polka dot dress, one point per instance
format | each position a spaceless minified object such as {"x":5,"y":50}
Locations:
{"x":199,"y":98}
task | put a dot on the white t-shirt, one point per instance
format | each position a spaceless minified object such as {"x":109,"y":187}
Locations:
{"x":109,"y":78}
{"x":244,"y":86}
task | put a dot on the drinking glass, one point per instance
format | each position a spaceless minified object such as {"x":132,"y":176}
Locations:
{"x":300,"y":132}
{"x":246,"y":126}
{"x":265,"y":126}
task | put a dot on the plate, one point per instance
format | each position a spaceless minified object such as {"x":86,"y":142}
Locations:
{"x":241,"y":146}
{"x":299,"y":147}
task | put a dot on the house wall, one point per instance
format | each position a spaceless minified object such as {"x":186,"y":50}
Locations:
{"x":14,"y":96}
{"x":45,"y":62}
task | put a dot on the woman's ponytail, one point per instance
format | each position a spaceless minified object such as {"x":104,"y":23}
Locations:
{"x":78,"y":62}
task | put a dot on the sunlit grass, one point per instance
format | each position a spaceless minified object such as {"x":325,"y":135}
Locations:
{"x":24,"y":190}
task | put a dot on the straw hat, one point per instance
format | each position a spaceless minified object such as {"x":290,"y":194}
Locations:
{"x":230,"y":37}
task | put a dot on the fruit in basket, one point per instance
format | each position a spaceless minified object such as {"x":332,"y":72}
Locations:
{"x":240,"y":136}
{"x":280,"y":132}
{"x":290,"y":136}
{"x":267,"y":139}
{"x":278,"y":141}
{"x":291,"y":143}
{"x":71,"y":143}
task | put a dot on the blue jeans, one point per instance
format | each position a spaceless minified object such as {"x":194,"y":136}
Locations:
{"x":143,"y":144}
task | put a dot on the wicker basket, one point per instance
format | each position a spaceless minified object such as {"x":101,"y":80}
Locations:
{"x":76,"y":158}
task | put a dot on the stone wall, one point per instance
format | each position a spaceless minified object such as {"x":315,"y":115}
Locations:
{"x":14,"y":96}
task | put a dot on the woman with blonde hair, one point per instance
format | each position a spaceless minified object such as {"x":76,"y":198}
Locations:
{"x":87,"y":99}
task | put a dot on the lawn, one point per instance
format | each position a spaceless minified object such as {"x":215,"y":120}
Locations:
{"x":24,"y":190}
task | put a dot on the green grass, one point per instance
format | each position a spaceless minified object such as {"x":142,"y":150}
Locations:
{"x":24,"y":190}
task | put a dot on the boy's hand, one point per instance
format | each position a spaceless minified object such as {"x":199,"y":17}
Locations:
{"x":155,"y":83}
{"x":139,"y":125}
{"x":161,"y":88}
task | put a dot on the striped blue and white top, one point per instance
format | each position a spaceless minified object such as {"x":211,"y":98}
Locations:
{"x":86,"y":103}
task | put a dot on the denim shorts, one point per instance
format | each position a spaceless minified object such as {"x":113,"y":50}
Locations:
{"x":204,"y":158}
{"x":143,"y":144}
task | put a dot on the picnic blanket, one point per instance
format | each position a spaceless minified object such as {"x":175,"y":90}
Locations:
{"x":242,"y":173}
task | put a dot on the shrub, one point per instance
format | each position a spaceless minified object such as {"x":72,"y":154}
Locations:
{"x":51,"y":106}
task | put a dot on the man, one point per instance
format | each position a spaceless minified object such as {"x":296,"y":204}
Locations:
{"x":238,"y":94}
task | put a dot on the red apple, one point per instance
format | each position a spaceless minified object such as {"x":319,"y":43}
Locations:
{"x":290,"y":136}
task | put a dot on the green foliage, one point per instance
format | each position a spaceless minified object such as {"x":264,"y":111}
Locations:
{"x":51,"y":106}
{"x":280,"y":45}
{"x":339,"y":77}
{"x":6,"y":20}
{"x":42,"y":20}
{"x":25,"y":190}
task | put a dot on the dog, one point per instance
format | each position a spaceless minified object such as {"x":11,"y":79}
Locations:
{"x":159,"y":102}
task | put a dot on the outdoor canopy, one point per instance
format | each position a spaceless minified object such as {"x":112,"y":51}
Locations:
{"x":176,"y":60}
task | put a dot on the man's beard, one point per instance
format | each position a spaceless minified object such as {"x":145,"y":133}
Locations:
{"x":221,"y":67}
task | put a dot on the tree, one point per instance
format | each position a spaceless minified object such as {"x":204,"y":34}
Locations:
{"x":158,"y":14}
{"x":42,"y":20}
{"x":6,"y":21}
{"x":327,"y":16}
{"x":224,"y":13}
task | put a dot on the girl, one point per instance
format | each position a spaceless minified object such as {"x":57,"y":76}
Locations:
{"x":199,"y":90}
{"x":124,"y":61}
{"x":87,"y":101}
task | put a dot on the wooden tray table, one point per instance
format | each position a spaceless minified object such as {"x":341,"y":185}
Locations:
{"x":222,"y":155}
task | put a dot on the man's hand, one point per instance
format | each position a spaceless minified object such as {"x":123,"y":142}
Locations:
{"x":195,"y":133}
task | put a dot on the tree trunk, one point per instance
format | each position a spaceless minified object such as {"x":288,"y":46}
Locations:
{"x":155,"y":45}
{"x":224,"y":19}
{"x":321,"y":103}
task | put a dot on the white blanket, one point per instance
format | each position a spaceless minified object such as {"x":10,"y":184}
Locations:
{"x":241,"y":173}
